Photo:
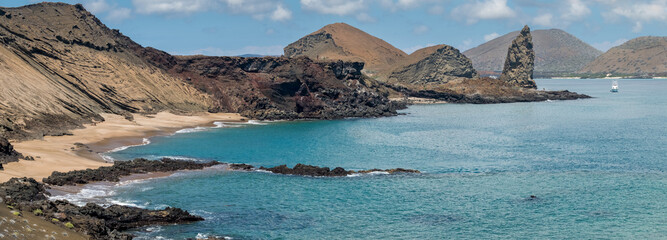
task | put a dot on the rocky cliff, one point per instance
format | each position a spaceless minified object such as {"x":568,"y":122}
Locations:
{"x":60,"y":67}
{"x":639,"y":56}
{"x":556,"y":51}
{"x":432,"y":65}
{"x":280,"y":87}
{"x":520,"y":61}
{"x":340,"y":41}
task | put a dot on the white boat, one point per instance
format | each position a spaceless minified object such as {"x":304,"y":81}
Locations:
{"x":614,"y":86}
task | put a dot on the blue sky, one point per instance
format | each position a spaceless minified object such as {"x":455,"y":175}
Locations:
{"x":234,"y":27}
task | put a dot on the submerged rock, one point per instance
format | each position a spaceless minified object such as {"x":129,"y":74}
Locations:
{"x":520,"y":61}
{"x":121,"y":169}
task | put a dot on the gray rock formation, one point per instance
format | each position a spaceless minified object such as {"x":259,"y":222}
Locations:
{"x":440,"y":64}
{"x":520,"y":61}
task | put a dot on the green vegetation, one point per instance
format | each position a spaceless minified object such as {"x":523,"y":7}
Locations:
{"x":54,"y":220}
{"x":16,"y":213}
{"x":38,"y":212}
{"x":69,"y":225}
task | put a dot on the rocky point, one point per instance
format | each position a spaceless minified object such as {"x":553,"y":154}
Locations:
{"x":520,"y":61}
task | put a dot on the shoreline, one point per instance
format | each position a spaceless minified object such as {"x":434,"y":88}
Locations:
{"x":83,"y":149}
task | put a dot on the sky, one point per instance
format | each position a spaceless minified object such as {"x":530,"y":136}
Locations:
{"x":235,"y":27}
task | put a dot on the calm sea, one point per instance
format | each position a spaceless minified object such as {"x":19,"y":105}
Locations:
{"x":597,"y":167}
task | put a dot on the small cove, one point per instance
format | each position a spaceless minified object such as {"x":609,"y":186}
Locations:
{"x":597,"y":167}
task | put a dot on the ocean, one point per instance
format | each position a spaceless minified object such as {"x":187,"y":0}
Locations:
{"x":597,"y":168}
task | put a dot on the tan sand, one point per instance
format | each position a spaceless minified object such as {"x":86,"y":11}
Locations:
{"x":61,"y":154}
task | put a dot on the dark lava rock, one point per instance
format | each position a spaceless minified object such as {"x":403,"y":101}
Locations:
{"x":26,"y":194}
{"x":309,"y":170}
{"x":271,"y":88}
{"x":241,"y":166}
{"x":121,"y":169}
{"x":22,"y":190}
{"x":520,"y":61}
{"x":7,"y":152}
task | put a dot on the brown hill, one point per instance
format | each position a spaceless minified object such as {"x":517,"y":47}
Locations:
{"x":340,"y":41}
{"x":556,"y":51}
{"x":60,"y":67}
{"x":643,"y":55}
{"x":432,"y":65}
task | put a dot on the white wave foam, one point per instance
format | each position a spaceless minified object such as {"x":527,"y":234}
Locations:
{"x":203,"y":236}
{"x":144,"y":141}
{"x":91,"y":193}
{"x":191,"y":130}
{"x":256,"y":122}
{"x":369,"y":173}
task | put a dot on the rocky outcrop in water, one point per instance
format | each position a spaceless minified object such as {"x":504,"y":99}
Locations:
{"x":308,"y":170}
{"x":315,"y":171}
{"x":30,"y":196}
{"x":433,"y":65}
{"x":122,"y":169}
{"x":520,"y":61}
{"x":7,"y":152}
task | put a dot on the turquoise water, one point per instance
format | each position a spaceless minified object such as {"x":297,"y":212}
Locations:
{"x":598,"y":167}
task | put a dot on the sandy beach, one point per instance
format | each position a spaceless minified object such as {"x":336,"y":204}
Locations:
{"x":80,"y":150}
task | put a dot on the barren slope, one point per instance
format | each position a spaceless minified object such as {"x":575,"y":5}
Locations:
{"x":60,"y":66}
{"x":556,"y":51}
{"x":643,"y":55}
{"x":340,"y":41}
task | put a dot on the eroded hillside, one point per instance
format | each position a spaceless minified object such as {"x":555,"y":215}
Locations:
{"x":60,"y":67}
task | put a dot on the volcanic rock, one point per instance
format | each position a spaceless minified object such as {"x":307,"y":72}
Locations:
{"x":26,"y":194}
{"x":280,"y":87}
{"x":121,"y":169}
{"x":436,"y":64}
{"x":520,"y":60}
{"x":7,"y":152}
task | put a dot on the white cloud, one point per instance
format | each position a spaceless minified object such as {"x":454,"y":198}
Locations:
{"x":483,"y":10}
{"x":606,"y":45}
{"x":258,"y":9}
{"x":421,"y":29}
{"x":97,"y":6}
{"x":172,"y":6}
{"x":395,"y":5}
{"x":545,"y":20}
{"x":119,"y":14}
{"x":576,"y":10}
{"x":260,"y":50}
{"x":412,"y":49}
{"x":640,"y":13}
{"x":336,"y":7}
{"x":112,"y":11}
{"x":281,"y":13}
{"x":491,"y":36}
